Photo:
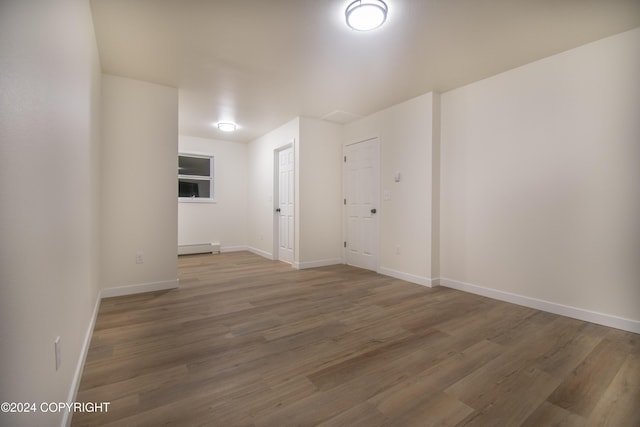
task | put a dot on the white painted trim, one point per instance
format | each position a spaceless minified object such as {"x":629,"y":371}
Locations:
{"x":77,"y":376}
{"x":211,"y":178}
{"x":196,"y":200}
{"x":139,"y":288}
{"x":319,"y":263}
{"x":419,"y":280}
{"x":105,"y":293}
{"x":225,"y":249}
{"x":346,"y":144}
{"x":551,"y":307}
{"x":260,"y":252}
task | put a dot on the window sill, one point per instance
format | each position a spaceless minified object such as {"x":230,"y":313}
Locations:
{"x":195,"y":200}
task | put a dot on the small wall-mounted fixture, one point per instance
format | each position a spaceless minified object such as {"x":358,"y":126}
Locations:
{"x":226,"y":126}
{"x":366,"y":15}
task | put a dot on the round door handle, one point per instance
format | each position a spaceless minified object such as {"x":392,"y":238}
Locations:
{"x":278,"y":210}
{"x":373,"y":210}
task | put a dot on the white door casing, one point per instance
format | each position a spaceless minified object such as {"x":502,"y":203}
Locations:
{"x":362,"y":177}
{"x":285,"y":204}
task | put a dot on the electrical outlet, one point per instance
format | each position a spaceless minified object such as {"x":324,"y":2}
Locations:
{"x":140,"y":258}
{"x":57,"y":347}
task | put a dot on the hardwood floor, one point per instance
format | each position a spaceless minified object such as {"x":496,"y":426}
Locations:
{"x":251,"y":342}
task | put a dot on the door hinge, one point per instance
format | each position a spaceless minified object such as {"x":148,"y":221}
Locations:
{"x":345,"y":201}
{"x":345,"y":159}
{"x":345,"y":244}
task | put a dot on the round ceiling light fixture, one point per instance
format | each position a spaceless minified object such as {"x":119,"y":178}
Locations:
{"x":366,"y":15}
{"x":226,"y":126}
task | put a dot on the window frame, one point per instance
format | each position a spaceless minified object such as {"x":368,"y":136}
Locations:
{"x":210,"y":178}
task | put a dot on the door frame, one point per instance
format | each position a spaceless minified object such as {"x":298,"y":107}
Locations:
{"x":276,"y":197}
{"x":345,"y":218}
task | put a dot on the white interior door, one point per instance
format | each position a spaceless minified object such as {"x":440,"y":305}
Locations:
{"x":285,"y":208}
{"x":362,"y":177}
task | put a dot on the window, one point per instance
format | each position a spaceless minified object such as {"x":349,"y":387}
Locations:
{"x":195,"y":178}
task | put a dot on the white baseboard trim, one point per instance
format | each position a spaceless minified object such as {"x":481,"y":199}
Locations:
{"x":551,"y":307}
{"x":319,"y":263}
{"x":225,"y":249}
{"x":419,"y":280}
{"x":138,"y":288}
{"x":77,"y":376}
{"x":260,"y":252}
{"x":105,"y":293}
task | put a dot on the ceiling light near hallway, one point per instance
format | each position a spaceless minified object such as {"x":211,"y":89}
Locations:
{"x":366,"y":15}
{"x":226,"y":126}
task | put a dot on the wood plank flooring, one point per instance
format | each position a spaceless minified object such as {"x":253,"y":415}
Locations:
{"x":249,"y":342}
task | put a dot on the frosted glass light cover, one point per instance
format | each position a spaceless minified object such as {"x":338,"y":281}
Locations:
{"x":226,"y":127}
{"x":366,"y":15}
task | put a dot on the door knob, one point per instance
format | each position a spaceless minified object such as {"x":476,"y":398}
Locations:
{"x":278,"y":210}
{"x":373,"y":210}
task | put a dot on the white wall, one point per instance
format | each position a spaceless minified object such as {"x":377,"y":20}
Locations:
{"x":260,"y":179}
{"x":407,"y":143}
{"x":540,"y":173}
{"x":320,"y":193}
{"x":49,"y":140}
{"x":318,"y":189}
{"x":225,"y":220}
{"x":139,"y":183}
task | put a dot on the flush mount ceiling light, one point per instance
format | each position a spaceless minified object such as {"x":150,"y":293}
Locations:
{"x":366,"y":15}
{"x":226,"y":126}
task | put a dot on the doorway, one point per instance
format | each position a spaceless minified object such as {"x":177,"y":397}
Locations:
{"x":361,"y":189}
{"x":284,"y":235}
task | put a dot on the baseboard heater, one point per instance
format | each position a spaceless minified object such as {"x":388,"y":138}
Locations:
{"x":199,"y":248}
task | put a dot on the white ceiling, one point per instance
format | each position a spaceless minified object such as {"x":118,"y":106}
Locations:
{"x":261,"y":63}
